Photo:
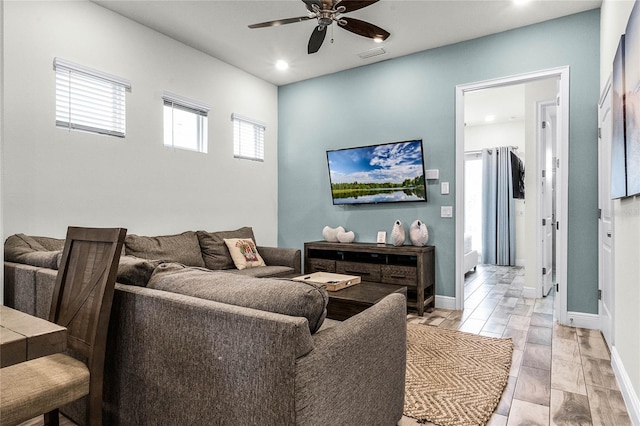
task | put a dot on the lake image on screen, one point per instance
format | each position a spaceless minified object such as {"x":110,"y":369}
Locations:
{"x":377,"y":174}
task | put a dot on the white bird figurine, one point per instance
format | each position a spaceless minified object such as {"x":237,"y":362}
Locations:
{"x":397,"y":234}
{"x":418,"y":233}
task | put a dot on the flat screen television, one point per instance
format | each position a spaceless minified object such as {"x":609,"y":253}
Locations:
{"x":385,"y":173}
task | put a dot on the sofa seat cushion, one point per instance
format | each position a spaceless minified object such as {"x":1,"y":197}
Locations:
{"x":264,"y":271}
{"x":182,"y":248}
{"x":214,"y":250}
{"x":294,"y":298}
{"x":21,"y":248}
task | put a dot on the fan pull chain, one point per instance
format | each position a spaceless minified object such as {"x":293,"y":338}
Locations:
{"x":331,"y":34}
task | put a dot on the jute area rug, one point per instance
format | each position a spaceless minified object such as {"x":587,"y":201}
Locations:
{"x":454,"y":378}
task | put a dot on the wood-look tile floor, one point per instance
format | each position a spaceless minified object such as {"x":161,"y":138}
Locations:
{"x":559,"y":375}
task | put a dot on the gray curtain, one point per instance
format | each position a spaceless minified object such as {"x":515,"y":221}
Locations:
{"x":498,"y":215}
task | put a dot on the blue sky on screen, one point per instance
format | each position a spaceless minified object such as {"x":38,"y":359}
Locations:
{"x":392,"y":162}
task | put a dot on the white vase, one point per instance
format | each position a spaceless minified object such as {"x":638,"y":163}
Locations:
{"x":418,"y":233}
{"x":397,"y":234}
{"x":346,"y":237}
{"x":331,"y":234}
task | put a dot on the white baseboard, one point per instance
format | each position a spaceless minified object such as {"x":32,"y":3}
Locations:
{"x":582,"y":320}
{"x":445,"y":302}
{"x":624,"y":383}
{"x":530,"y":293}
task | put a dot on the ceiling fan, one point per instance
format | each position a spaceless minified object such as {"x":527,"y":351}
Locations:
{"x":328,"y":11}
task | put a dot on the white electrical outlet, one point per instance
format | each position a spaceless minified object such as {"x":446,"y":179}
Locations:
{"x":446,"y":211}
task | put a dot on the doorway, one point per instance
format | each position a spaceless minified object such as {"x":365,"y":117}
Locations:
{"x":546,"y":129}
{"x":528,"y":211}
{"x":606,"y":278}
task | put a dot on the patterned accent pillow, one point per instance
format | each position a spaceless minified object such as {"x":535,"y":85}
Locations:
{"x":244,"y":253}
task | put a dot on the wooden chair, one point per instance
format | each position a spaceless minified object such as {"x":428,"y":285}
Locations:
{"x":81,"y":302}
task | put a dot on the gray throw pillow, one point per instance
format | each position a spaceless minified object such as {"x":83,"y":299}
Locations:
{"x":215,"y":252}
{"x":294,"y":298}
{"x":135,"y":271}
{"x":182,"y":248}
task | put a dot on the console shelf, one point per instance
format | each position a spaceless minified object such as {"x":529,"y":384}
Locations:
{"x":408,"y":266}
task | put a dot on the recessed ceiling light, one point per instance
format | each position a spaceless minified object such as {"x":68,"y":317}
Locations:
{"x":490,"y":118}
{"x":282,"y":65}
{"x":521,"y":2}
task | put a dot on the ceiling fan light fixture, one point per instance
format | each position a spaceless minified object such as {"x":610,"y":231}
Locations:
{"x":326,"y":12}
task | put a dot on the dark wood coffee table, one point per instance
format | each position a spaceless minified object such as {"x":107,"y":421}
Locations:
{"x":352,"y":300}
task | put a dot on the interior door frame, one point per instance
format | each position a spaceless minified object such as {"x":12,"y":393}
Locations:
{"x":562,"y":153}
{"x":604,"y":285}
{"x":540,"y":165}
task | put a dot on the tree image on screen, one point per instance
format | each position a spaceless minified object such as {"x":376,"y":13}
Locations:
{"x":377,"y":174}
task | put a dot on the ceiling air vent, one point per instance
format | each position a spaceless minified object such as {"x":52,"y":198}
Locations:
{"x":372,"y":52}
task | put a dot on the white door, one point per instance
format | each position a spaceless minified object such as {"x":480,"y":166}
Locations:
{"x":605,"y":224}
{"x":547,"y":126}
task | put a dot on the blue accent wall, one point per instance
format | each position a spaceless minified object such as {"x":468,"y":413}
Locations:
{"x":413,"y":97}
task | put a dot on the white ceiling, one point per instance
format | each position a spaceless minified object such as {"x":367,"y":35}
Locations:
{"x":220,"y":29}
{"x":504,"y":103}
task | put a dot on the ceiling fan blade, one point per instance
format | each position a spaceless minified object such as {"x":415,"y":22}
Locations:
{"x":316,"y":39}
{"x":363,"y":28}
{"x":279,"y":22}
{"x":351,"y":5}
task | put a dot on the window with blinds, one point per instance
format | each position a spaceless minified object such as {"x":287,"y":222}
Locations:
{"x":248,"y":138}
{"x":89,"y":100}
{"x":185,"y":123}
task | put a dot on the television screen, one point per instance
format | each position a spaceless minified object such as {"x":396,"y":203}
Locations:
{"x":386,"y":173}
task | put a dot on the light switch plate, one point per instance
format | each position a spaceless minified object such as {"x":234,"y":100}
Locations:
{"x":446,"y":211}
{"x":444,"y":188}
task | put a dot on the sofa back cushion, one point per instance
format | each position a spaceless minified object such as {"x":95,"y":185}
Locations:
{"x":135,"y":271}
{"x":294,"y":298}
{"x":51,"y":244}
{"x":182,"y":248}
{"x":215,"y":252}
{"x":21,"y":248}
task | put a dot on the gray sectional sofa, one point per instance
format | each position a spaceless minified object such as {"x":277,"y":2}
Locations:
{"x":194,"y":341}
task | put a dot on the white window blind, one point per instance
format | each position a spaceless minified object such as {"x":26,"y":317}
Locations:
{"x":248,"y":138}
{"x":185,"y":123}
{"x":89,"y":100}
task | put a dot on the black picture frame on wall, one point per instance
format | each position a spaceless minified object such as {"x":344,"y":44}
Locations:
{"x":632,"y":100}
{"x":618,"y":143}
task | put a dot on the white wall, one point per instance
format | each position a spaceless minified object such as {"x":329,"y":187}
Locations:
{"x":1,"y":143}
{"x":614,"y":16}
{"x":54,"y":178}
